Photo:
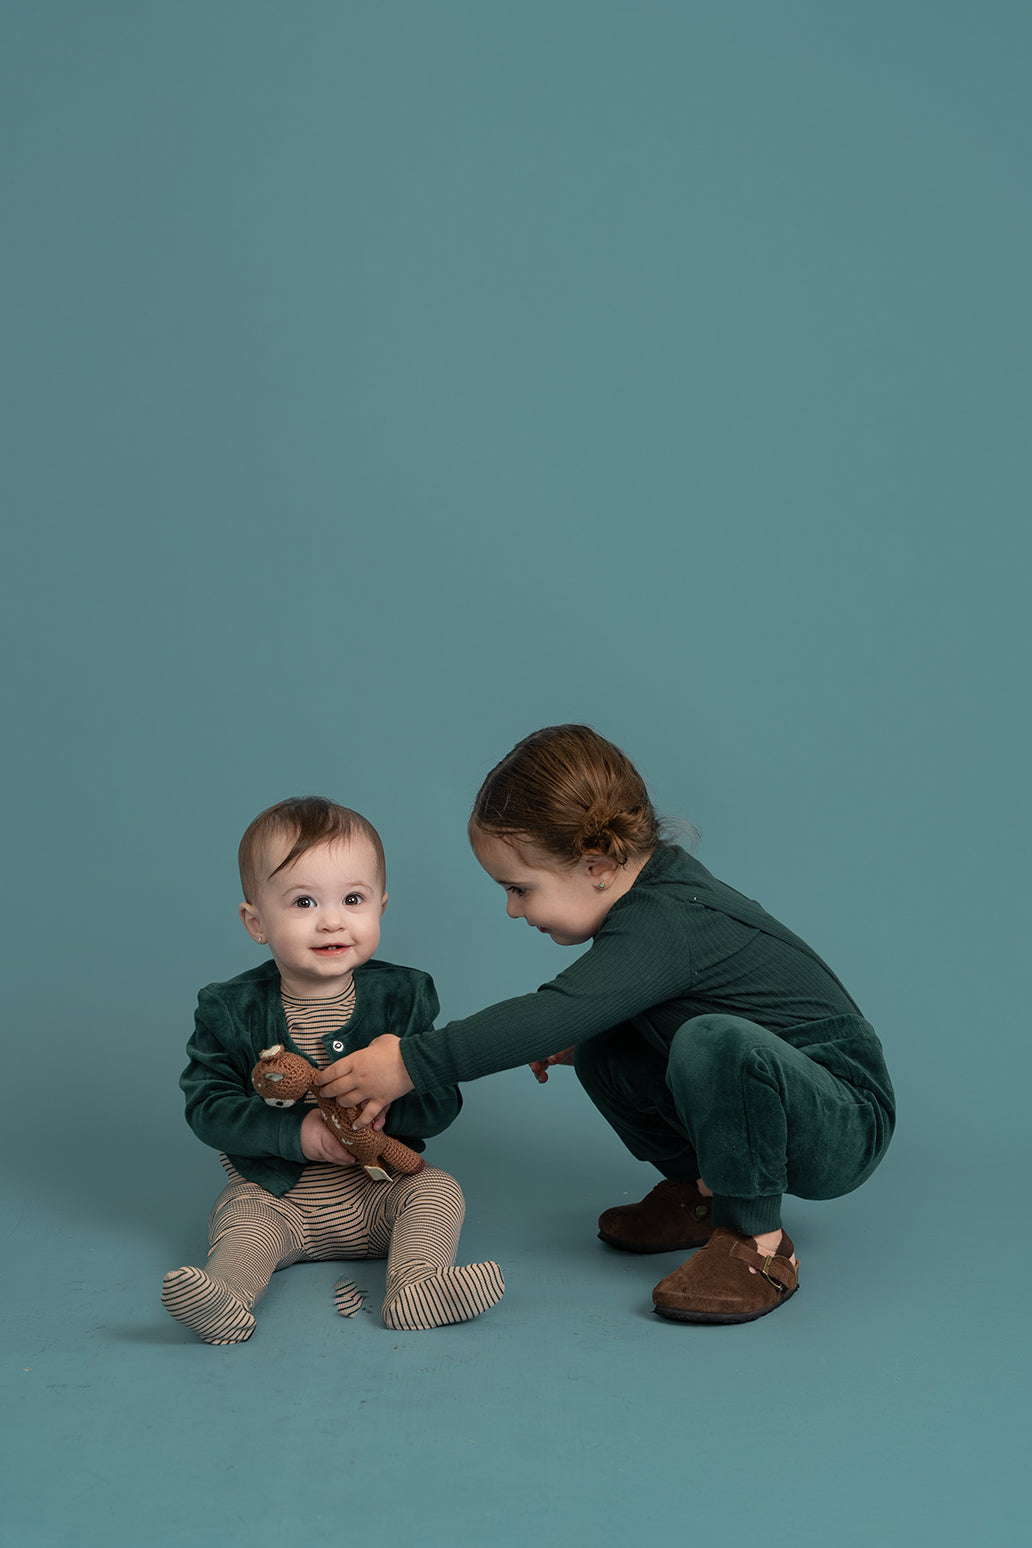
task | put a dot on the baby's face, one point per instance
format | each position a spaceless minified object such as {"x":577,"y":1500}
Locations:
{"x":320,"y":916}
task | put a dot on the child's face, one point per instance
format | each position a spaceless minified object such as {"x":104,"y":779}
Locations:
{"x":320,"y":916}
{"x":565,"y":903}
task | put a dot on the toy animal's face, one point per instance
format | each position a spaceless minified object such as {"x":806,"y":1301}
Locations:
{"x":281,"y":1078}
{"x":267,"y":1092}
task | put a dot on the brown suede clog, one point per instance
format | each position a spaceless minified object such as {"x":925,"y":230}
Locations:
{"x":716,"y":1285}
{"x":672,"y":1218}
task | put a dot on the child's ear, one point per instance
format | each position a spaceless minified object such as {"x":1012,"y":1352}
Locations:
{"x":599,"y":867}
{"x":252,"y":924}
{"x":383,"y":904}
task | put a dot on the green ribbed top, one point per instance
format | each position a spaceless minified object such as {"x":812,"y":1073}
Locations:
{"x":678,"y":944}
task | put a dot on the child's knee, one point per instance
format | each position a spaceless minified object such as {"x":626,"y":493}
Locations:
{"x":714,"y":1042}
{"x":714,"y":1059}
{"x":264,"y":1218}
{"x":431,"y":1189}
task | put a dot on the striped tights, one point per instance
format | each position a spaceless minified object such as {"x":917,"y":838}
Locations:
{"x":335,"y":1212}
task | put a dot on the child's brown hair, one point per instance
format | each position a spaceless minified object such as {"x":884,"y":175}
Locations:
{"x":312,"y":820}
{"x":569,"y":792}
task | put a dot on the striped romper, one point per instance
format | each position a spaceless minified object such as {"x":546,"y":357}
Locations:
{"x":332,"y":1212}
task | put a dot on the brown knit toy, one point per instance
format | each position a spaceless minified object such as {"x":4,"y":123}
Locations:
{"x":282,"y":1078}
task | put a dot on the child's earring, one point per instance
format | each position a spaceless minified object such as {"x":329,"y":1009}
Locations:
{"x":260,"y":939}
{"x":601,"y":886}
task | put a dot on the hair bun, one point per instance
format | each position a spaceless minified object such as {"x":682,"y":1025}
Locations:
{"x":605,"y":830}
{"x":569,"y":792}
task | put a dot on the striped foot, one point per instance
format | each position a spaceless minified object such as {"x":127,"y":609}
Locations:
{"x":347,"y":1298}
{"x":442,"y":1296}
{"x":207,"y":1305}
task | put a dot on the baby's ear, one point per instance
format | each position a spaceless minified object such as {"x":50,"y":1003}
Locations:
{"x":252,"y":924}
{"x":383,"y":904}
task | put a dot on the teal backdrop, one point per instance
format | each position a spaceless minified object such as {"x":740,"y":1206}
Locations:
{"x":384,"y":381}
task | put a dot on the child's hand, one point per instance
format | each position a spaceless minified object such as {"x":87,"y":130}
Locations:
{"x":540,"y":1067}
{"x":372,"y":1077}
{"x":318,"y":1144}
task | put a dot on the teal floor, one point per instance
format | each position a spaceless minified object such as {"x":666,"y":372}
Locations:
{"x":386,"y":381}
{"x":881,"y":1406}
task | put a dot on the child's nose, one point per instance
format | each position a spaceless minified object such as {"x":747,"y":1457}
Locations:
{"x":514,"y":906}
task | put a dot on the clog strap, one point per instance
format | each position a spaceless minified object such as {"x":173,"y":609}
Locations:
{"x":775,"y":1268}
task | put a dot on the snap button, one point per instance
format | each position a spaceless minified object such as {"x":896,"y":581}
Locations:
{"x":337,"y":1045}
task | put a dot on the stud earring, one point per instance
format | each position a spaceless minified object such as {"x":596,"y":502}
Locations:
{"x":260,"y":939}
{"x":601,"y":886}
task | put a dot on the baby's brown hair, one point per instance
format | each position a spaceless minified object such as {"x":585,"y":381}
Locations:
{"x":569,"y":792}
{"x":313,"y":820}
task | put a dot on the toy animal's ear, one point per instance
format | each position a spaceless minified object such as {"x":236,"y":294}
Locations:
{"x":272,"y":1053}
{"x":272,"y":1075}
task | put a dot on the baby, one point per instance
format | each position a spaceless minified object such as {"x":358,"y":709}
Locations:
{"x":314,"y":879}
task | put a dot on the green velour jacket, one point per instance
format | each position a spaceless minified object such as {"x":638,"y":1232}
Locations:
{"x":235,"y":1020}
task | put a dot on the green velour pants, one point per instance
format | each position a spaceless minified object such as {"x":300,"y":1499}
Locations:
{"x":741,"y":1108}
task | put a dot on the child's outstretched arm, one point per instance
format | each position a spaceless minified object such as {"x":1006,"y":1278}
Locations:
{"x":372,"y":1077}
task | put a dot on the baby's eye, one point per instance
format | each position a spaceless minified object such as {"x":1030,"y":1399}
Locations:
{"x":517,"y":892}
{"x":304,"y":903}
{"x":353,"y":899}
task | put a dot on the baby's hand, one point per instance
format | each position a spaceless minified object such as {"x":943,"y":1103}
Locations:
{"x":318,"y":1144}
{"x":540,"y":1067}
